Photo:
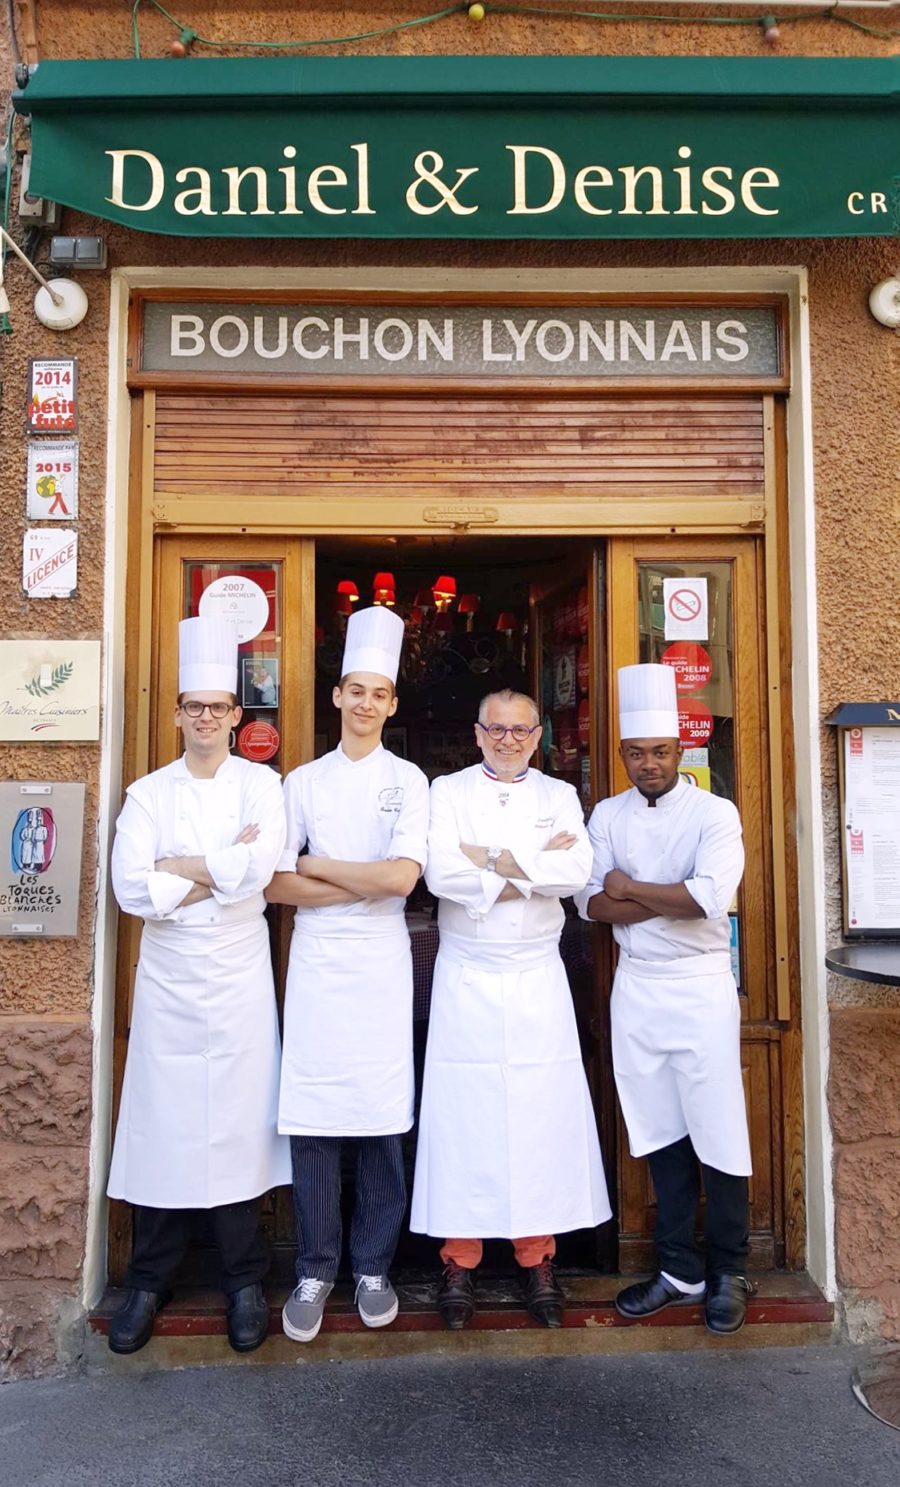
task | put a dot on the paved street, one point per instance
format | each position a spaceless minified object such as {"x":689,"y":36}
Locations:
{"x":774,"y":1416}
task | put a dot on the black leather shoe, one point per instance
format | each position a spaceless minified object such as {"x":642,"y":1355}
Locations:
{"x":726,"y":1302}
{"x":456,"y":1296}
{"x":248,"y":1318}
{"x":132,"y":1325}
{"x":544,"y":1296}
{"x":648,"y":1297}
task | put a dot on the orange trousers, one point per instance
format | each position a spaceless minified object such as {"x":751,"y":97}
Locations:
{"x":528,"y":1252}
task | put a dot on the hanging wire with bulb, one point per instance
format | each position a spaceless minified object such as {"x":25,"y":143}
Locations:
{"x":482,"y":10}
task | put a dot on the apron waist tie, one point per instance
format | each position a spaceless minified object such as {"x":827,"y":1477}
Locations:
{"x":679,"y":968}
{"x":500,"y":957}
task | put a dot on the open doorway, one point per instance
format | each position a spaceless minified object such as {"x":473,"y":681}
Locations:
{"x":482,"y":615}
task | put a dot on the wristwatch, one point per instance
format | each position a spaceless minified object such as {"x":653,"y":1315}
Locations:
{"x":493,"y":857}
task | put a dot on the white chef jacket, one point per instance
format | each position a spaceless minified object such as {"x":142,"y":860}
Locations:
{"x":347,"y":1068}
{"x":507,"y":1137}
{"x":197,"y":1120}
{"x":523,"y":816}
{"x":170,"y":813}
{"x":355,"y":810}
{"x":675,"y":1013}
{"x":690,"y":837}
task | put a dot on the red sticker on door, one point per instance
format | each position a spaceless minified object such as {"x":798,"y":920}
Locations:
{"x":690,"y":662}
{"x":258,"y":741}
{"x":695,"y":724}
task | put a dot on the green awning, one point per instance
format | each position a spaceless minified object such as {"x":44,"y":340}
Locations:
{"x":473,"y":147}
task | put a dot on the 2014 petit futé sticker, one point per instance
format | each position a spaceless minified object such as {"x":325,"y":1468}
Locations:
{"x":52,"y":404}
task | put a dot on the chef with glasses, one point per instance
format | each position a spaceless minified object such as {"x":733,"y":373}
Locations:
{"x":507,"y":1144}
{"x":196,"y":844}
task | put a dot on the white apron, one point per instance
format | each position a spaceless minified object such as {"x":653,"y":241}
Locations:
{"x":197,"y":1119}
{"x":348,"y":1055}
{"x":507,"y":1143}
{"x":347,"y":1068}
{"x":677,"y":1057}
{"x":675,"y":1010}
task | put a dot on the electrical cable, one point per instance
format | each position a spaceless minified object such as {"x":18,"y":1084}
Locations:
{"x":17,"y":55}
{"x":5,"y":322}
{"x":189,"y":37}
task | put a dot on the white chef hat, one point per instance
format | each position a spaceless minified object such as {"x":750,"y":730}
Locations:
{"x":374,"y":642}
{"x":207,"y":655}
{"x":648,"y":702}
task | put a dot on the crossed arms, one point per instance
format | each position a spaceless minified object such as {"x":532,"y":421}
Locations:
{"x":623,"y":900}
{"x":320,"y":882}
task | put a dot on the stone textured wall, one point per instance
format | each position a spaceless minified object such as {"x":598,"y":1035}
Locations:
{"x":46,"y":991}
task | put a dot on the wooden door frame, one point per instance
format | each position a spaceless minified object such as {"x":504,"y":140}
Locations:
{"x":770,"y":926}
{"x":612,"y":516}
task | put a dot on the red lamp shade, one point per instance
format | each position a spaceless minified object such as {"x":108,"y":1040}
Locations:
{"x":444,"y":587}
{"x":343,"y":604}
{"x":507,"y":621}
{"x":469,"y":604}
{"x":384,"y":589}
{"x":348,"y":587}
{"x":424,"y":599}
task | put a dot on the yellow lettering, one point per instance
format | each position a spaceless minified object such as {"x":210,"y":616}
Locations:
{"x":520,"y":207}
{"x":202,"y":191}
{"x":632,"y":176}
{"x":708,"y":179}
{"x":591,"y":178}
{"x":236,"y":179}
{"x":157,"y":180}
{"x":758,"y":179}
{"x":322,"y":176}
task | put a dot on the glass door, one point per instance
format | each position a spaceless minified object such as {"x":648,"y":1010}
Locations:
{"x":266,"y":585}
{"x":695,"y":604}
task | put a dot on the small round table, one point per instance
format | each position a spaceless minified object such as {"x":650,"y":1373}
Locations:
{"x":870,"y":962}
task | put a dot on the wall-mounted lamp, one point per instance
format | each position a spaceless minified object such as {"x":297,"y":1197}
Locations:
{"x":884,"y":302}
{"x":60,"y":304}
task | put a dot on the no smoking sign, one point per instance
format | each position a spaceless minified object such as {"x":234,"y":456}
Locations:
{"x":686,"y":609}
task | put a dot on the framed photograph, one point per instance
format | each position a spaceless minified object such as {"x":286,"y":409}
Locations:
{"x":394,"y":739}
{"x":259,"y":681}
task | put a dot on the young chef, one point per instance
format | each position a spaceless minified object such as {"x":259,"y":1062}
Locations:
{"x":348,"y":1057}
{"x":668,"y":859}
{"x":196,"y":843}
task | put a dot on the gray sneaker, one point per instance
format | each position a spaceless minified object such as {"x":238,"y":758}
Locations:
{"x":301,"y":1316}
{"x":376,"y":1300}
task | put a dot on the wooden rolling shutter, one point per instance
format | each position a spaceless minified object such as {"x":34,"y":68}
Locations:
{"x":346,"y":449}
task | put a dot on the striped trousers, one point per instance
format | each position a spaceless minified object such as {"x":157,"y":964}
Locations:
{"x":378,"y":1210}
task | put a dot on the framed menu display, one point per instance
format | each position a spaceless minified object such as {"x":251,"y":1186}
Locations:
{"x":869,"y":760}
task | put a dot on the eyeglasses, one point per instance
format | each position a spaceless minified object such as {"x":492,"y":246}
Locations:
{"x":215,"y":709}
{"x":520,"y":731}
